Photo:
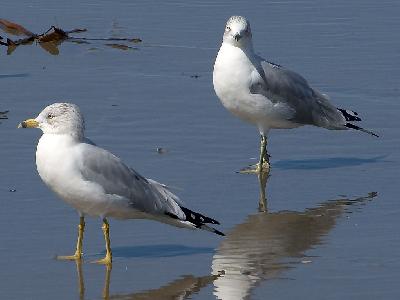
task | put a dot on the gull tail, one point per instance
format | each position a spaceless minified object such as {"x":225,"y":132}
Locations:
{"x":198,"y":220}
{"x":352,"y":126}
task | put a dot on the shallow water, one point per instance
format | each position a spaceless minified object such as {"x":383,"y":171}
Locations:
{"x":331,"y":230}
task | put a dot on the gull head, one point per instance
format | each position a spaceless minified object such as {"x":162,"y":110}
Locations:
{"x":58,"y":118}
{"x":237,"y":31}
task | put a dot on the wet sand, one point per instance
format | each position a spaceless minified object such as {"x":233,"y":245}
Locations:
{"x":330,"y":229}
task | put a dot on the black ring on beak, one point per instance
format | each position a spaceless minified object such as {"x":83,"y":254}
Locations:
{"x":237,"y":37}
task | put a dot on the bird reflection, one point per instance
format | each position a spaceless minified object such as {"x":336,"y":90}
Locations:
{"x":181,"y":288}
{"x":259,"y":249}
{"x":81,"y":284}
{"x":266,"y":244}
{"x":262,"y":203}
{"x":81,"y":281}
{"x":3,"y":115}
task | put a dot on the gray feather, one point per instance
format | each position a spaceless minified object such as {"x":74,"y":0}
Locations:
{"x":289,"y":89}
{"x":109,"y":172}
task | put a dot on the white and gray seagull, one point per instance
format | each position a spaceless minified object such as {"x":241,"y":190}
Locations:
{"x":268,"y":95}
{"x":97,"y":183}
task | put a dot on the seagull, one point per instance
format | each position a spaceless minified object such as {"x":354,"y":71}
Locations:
{"x":269,"y":95}
{"x":97,"y":183}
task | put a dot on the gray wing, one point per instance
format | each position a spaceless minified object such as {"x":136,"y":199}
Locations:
{"x":285,"y":87}
{"x":107,"y":170}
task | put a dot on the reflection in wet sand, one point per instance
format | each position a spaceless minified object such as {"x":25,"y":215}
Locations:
{"x":266,"y":244}
{"x":182,"y":288}
{"x":3,"y":115}
{"x":51,"y":47}
{"x":262,"y":203}
{"x":81,"y":283}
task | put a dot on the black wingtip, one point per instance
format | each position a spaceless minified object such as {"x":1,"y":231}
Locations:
{"x":349,"y":115}
{"x":218,"y":232}
{"x":352,"y":126}
{"x":197,"y":218}
{"x":211,"y":229}
{"x":200,"y":221}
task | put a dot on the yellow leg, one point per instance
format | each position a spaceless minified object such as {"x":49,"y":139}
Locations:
{"x":107,"y":260}
{"x":263,"y":163}
{"x":78,"y":252}
{"x":264,"y":156}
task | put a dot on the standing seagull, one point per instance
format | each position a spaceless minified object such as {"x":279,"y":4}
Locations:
{"x":96,"y":182}
{"x":268,"y":95}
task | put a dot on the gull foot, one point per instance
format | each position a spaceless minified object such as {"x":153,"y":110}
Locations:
{"x":107,"y":260}
{"x":76,"y":256}
{"x":255,"y":169}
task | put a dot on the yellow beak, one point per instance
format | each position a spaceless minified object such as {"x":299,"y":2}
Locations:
{"x":30,"y":123}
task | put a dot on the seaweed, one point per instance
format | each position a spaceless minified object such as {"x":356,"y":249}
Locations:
{"x":53,"y":37}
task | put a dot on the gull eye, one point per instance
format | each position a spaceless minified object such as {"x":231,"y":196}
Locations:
{"x":228,"y":28}
{"x":50,"y":116}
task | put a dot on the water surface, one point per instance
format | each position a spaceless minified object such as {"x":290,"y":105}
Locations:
{"x":331,"y":228}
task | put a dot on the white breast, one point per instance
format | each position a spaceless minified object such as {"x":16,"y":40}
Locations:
{"x":231,"y":75}
{"x":57,"y":169}
{"x":232,"y":78}
{"x":61,"y":173}
{"x":234,"y":73}
{"x":51,"y":152}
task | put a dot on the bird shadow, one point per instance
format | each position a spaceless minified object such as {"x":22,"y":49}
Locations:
{"x":161,"y":250}
{"x":325,"y":163}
